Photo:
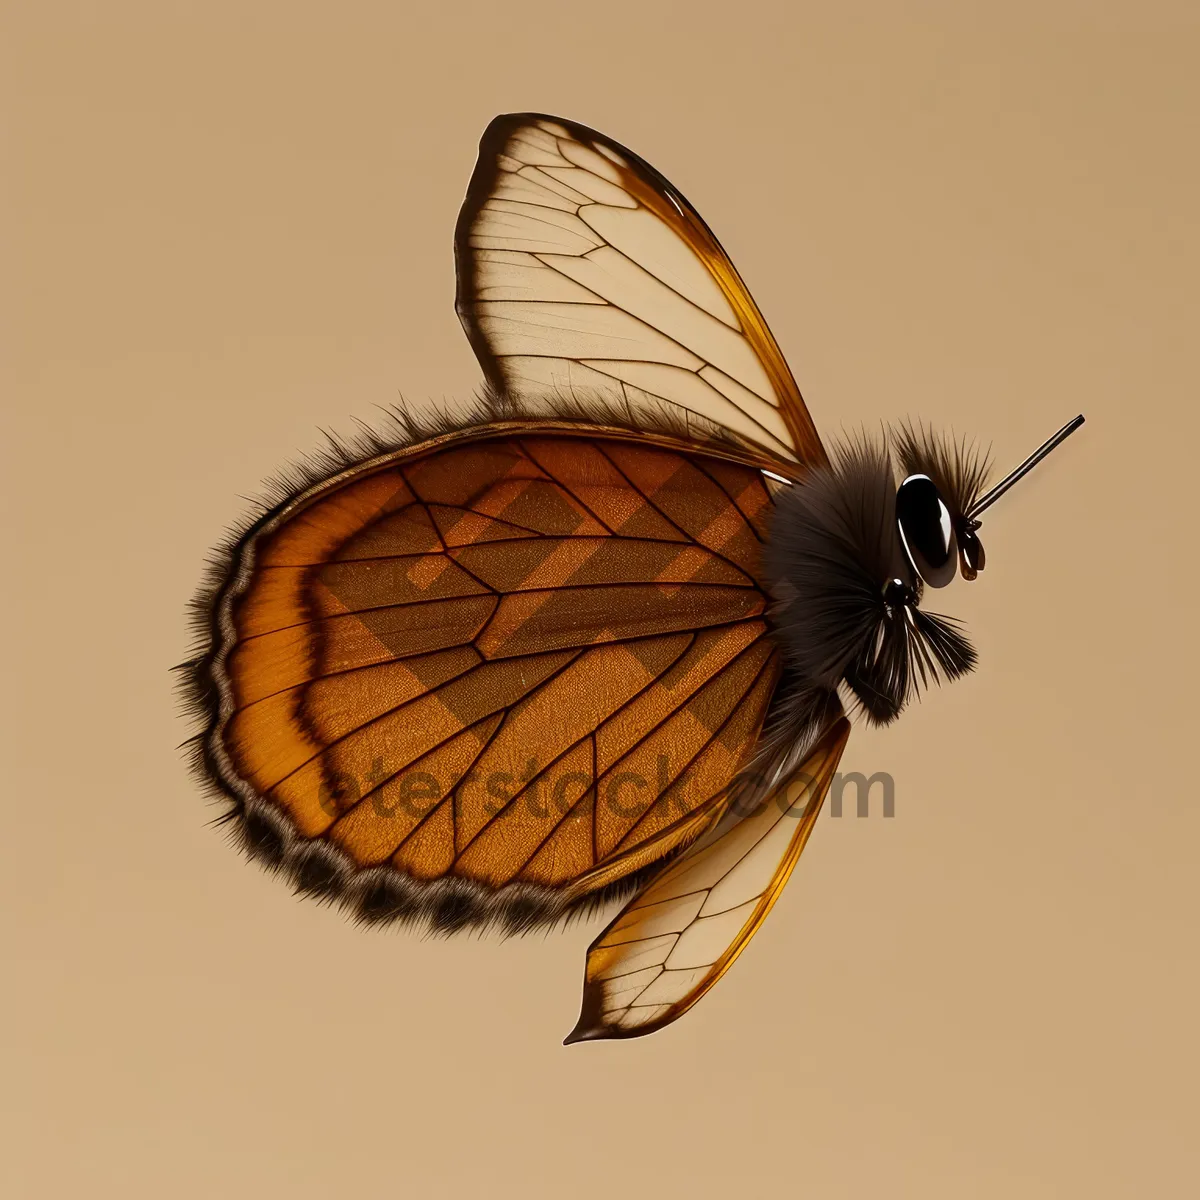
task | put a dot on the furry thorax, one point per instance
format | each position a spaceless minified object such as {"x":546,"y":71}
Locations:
{"x":847,"y":597}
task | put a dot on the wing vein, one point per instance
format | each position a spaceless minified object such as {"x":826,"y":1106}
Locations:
{"x":712,"y":737}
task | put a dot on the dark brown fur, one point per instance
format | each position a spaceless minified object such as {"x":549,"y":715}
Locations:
{"x":833,"y":547}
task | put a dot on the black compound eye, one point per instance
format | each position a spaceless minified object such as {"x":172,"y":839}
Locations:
{"x":927,"y":530}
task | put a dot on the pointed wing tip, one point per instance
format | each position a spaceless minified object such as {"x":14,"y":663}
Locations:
{"x":591,"y":1026}
{"x":583,"y":1033}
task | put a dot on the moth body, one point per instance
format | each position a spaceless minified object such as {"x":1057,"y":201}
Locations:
{"x":490,"y":671}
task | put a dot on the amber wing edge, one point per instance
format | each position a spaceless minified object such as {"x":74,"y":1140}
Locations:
{"x":827,"y":754}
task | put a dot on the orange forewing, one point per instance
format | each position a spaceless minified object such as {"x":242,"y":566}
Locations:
{"x":529,"y":656}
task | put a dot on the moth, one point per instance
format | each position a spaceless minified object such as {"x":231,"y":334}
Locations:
{"x":595,"y":640}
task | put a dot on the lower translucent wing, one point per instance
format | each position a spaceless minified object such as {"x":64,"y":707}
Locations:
{"x":682,"y":932}
{"x":582,"y":271}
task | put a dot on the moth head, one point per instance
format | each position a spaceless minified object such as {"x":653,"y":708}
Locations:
{"x":848,"y":592}
{"x":851,"y":553}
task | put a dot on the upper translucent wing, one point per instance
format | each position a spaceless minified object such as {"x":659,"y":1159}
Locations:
{"x":681,"y":933}
{"x":581,"y":270}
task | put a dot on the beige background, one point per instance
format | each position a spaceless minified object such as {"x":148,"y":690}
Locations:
{"x":227,"y":224}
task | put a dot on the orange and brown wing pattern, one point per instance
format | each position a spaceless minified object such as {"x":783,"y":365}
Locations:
{"x":521,"y":665}
{"x":583,"y":271}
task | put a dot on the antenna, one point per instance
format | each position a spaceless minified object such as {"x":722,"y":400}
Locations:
{"x":1024,"y":469}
